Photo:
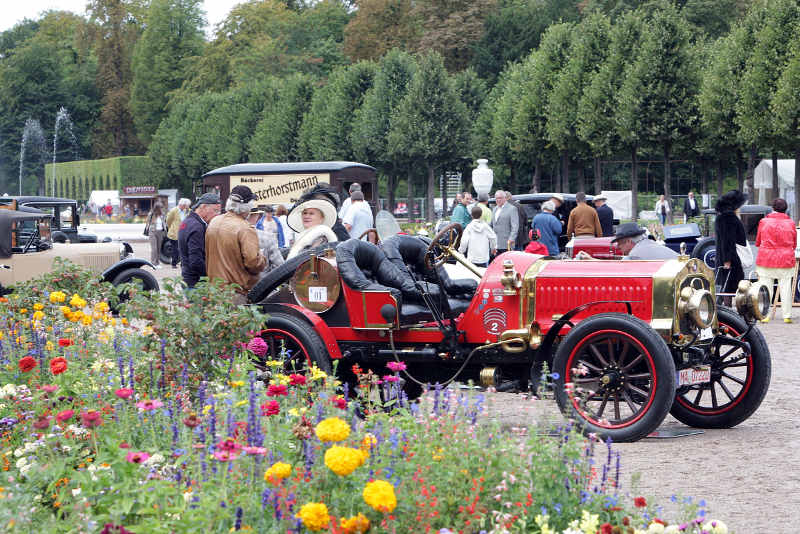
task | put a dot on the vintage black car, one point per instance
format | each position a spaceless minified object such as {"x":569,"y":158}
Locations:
{"x":65,"y":222}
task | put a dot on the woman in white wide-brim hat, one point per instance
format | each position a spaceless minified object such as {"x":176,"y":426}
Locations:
{"x":313,"y":220}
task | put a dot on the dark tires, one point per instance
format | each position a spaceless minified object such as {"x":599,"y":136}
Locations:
{"x":616,"y":377}
{"x":706,"y":250}
{"x":738,"y":381}
{"x":141,"y":279}
{"x":165,"y":254}
{"x":294,"y":341}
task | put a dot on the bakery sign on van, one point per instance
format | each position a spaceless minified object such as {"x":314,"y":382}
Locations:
{"x":279,"y":188}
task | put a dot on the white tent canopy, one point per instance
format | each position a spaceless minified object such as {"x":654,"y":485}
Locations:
{"x":762,"y":182}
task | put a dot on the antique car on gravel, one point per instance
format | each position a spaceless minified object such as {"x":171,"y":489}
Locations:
{"x":625,"y":343}
{"x":27,"y":251}
{"x":65,"y":222}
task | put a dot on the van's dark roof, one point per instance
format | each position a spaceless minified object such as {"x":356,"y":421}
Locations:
{"x":300,"y":166}
{"x":29,"y":199}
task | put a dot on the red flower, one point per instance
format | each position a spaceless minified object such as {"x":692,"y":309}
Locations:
{"x":339,"y":402}
{"x":64,"y":416}
{"x":606,"y":528}
{"x":270,"y":408}
{"x":191,"y":421}
{"x":58,"y":365}
{"x":124,"y":445}
{"x":626,"y":520}
{"x":27,"y":363}
{"x":356,"y":370}
{"x":65,"y":342}
{"x":124,"y":393}
{"x":297,"y":380}
{"x":42,"y":422}
{"x":275,"y":390}
{"x":229,"y":444}
{"x":640,"y":502}
{"x":91,"y":419}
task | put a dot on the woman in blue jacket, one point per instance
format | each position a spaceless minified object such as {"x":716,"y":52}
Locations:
{"x":549,"y":227}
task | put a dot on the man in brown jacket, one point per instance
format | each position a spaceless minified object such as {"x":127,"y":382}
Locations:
{"x":232,"y":251}
{"x":583,"y":219}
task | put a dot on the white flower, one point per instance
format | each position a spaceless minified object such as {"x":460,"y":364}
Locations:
{"x":655,"y":528}
{"x":156,"y":459}
{"x":19,"y":452}
{"x":22,"y":462}
{"x":102,"y":364}
{"x":716,"y":526}
{"x":187,"y":495}
{"x":9,"y":390}
{"x":24,"y":469}
{"x":76,"y":492}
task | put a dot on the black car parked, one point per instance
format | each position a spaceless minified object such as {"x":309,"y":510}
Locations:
{"x":65,"y":216}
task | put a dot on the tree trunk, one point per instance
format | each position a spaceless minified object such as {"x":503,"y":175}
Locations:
{"x":739,"y":172}
{"x":537,"y":176}
{"x":796,"y":209}
{"x":751,"y":166}
{"x":410,"y":198}
{"x":391,"y":183}
{"x":668,"y":182}
{"x":581,"y":176}
{"x":720,"y":178}
{"x":598,"y":176}
{"x":564,"y":172}
{"x":704,"y":170}
{"x":430,"y":214}
{"x":776,"y":186}
{"x":634,"y":184}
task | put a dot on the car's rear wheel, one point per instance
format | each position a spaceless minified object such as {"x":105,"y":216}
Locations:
{"x":615,"y":376}
{"x":738,"y":384}
{"x":139,"y":278}
{"x":294,"y":342}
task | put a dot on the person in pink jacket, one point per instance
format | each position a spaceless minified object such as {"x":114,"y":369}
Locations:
{"x":776,"y":241}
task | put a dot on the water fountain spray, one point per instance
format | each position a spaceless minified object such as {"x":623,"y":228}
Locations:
{"x":61,"y":117}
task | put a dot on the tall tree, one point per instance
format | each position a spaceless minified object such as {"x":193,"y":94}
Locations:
{"x":659,"y":92}
{"x":379,"y":26}
{"x":429,"y":124}
{"x":116,"y":29}
{"x":173,"y":33}
{"x":513,"y":29}
{"x":326,"y":130}
{"x":372,"y":121}
{"x":276,"y":136}
{"x":587,"y":52}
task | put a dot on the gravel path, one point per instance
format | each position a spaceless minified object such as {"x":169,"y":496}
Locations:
{"x":749,"y":475}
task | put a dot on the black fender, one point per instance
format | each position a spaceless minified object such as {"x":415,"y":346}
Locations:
{"x":128,"y":249}
{"x":128,"y":263}
{"x":545,"y":353}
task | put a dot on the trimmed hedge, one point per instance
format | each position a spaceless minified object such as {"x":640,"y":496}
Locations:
{"x":77,"y":179}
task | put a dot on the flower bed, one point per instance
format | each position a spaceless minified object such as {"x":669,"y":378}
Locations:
{"x":103,"y":431}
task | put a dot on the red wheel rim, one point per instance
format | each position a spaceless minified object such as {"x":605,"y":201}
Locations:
{"x":718,"y":374}
{"x":611,"y":367}
{"x":278,"y":340}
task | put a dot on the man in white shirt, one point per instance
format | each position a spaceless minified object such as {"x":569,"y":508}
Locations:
{"x":355,"y":186}
{"x":358,"y":218}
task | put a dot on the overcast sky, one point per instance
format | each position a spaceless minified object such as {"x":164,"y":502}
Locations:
{"x":13,"y":11}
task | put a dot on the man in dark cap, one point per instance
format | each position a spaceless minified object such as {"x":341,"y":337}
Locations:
{"x":232,"y":251}
{"x":635,"y":245}
{"x":192,"y":238}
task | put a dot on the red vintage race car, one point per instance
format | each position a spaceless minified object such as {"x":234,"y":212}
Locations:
{"x":626,"y":342}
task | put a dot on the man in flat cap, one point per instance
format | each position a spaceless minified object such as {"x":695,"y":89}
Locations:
{"x":635,"y":245}
{"x":232,"y":251}
{"x":192,"y":238}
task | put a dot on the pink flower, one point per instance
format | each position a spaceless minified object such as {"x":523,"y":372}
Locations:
{"x":261,"y":451}
{"x":91,"y":419}
{"x":49,"y":388}
{"x":124,"y":393}
{"x":42,"y":422}
{"x":124,"y":445}
{"x":339,"y":402}
{"x":391,"y":378}
{"x":225,"y":456}
{"x":270,"y":408}
{"x":297,"y":380}
{"x":64,"y":416}
{"x":258,"y":346}
{"x":149,"y":404}
{"x":229,"y":445}
{"x":275,"y":390}
{"x":396,"y":366}
{"x":137,"y":457}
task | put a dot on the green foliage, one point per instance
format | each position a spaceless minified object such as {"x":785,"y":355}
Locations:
{"x":74,"y":178}
{"x":200,"y":329}
{"x":380,"y":26}
{"x":785,"y":104}
{"x":326,"y":131}
{"x":275,"y":137}
{"x":172,"y":34}
{"x":68,"y":277}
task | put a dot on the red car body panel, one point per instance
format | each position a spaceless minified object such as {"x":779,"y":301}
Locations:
{"x":324,"y":331}
{"x":599,"y":247}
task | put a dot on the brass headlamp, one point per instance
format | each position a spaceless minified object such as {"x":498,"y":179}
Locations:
{"x":752,"y":300}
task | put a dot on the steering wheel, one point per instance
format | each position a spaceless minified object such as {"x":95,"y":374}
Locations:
{"x":369,"y":231}
{"x":443,"y":245}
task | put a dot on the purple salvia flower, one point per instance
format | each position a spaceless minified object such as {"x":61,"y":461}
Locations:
{"x":437,"y":393}
{"x":616,"y":475}
{"x":252,"y":418}
{"x":238,"y":524}
{"x":308,"y":455}
{"x":120,"y":363}
{"x":151,"y":377}
{"x":265,"y":498}
{"x":131,"y":382}
{"x":163,"y":380}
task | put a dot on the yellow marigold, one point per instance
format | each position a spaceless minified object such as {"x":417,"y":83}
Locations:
{"x":101,"y":307}
{"x":317,"y":373}
{"x":314,"y":516}
{"x":343,"y":460}
{"x":87,"y":320}
{"x":277,"y":472}
{"x":66,"y":311}
{"x":23,"y":310}
{"x":38,"y":315}
{"x":57,"y":296}
{"x":332,"y":429}
{"x":241,"y":403}
{"x":77,"y":302}
{"x":358,"y":524}
{"x":236,"y":383}
{"x":274,"y":363}
{"x":38,"y":306}
{"x":379,"y":494}
{"x":49,"y":345}
{"x":368,"y":441}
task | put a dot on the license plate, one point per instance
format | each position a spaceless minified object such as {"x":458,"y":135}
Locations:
{"x":694,"y":375}
{"x":317,"y":294}
{"x":706,"y":333}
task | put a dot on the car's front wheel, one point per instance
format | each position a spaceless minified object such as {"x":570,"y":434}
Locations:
{"x":139,"y":278}
{"x":615,"y":377}
{"x":293,"y":342}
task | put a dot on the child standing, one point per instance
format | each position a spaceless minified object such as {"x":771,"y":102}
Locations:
{"x":479,"y":240}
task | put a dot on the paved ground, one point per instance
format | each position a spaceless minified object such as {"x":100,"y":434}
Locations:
{"x":748,"y":475}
